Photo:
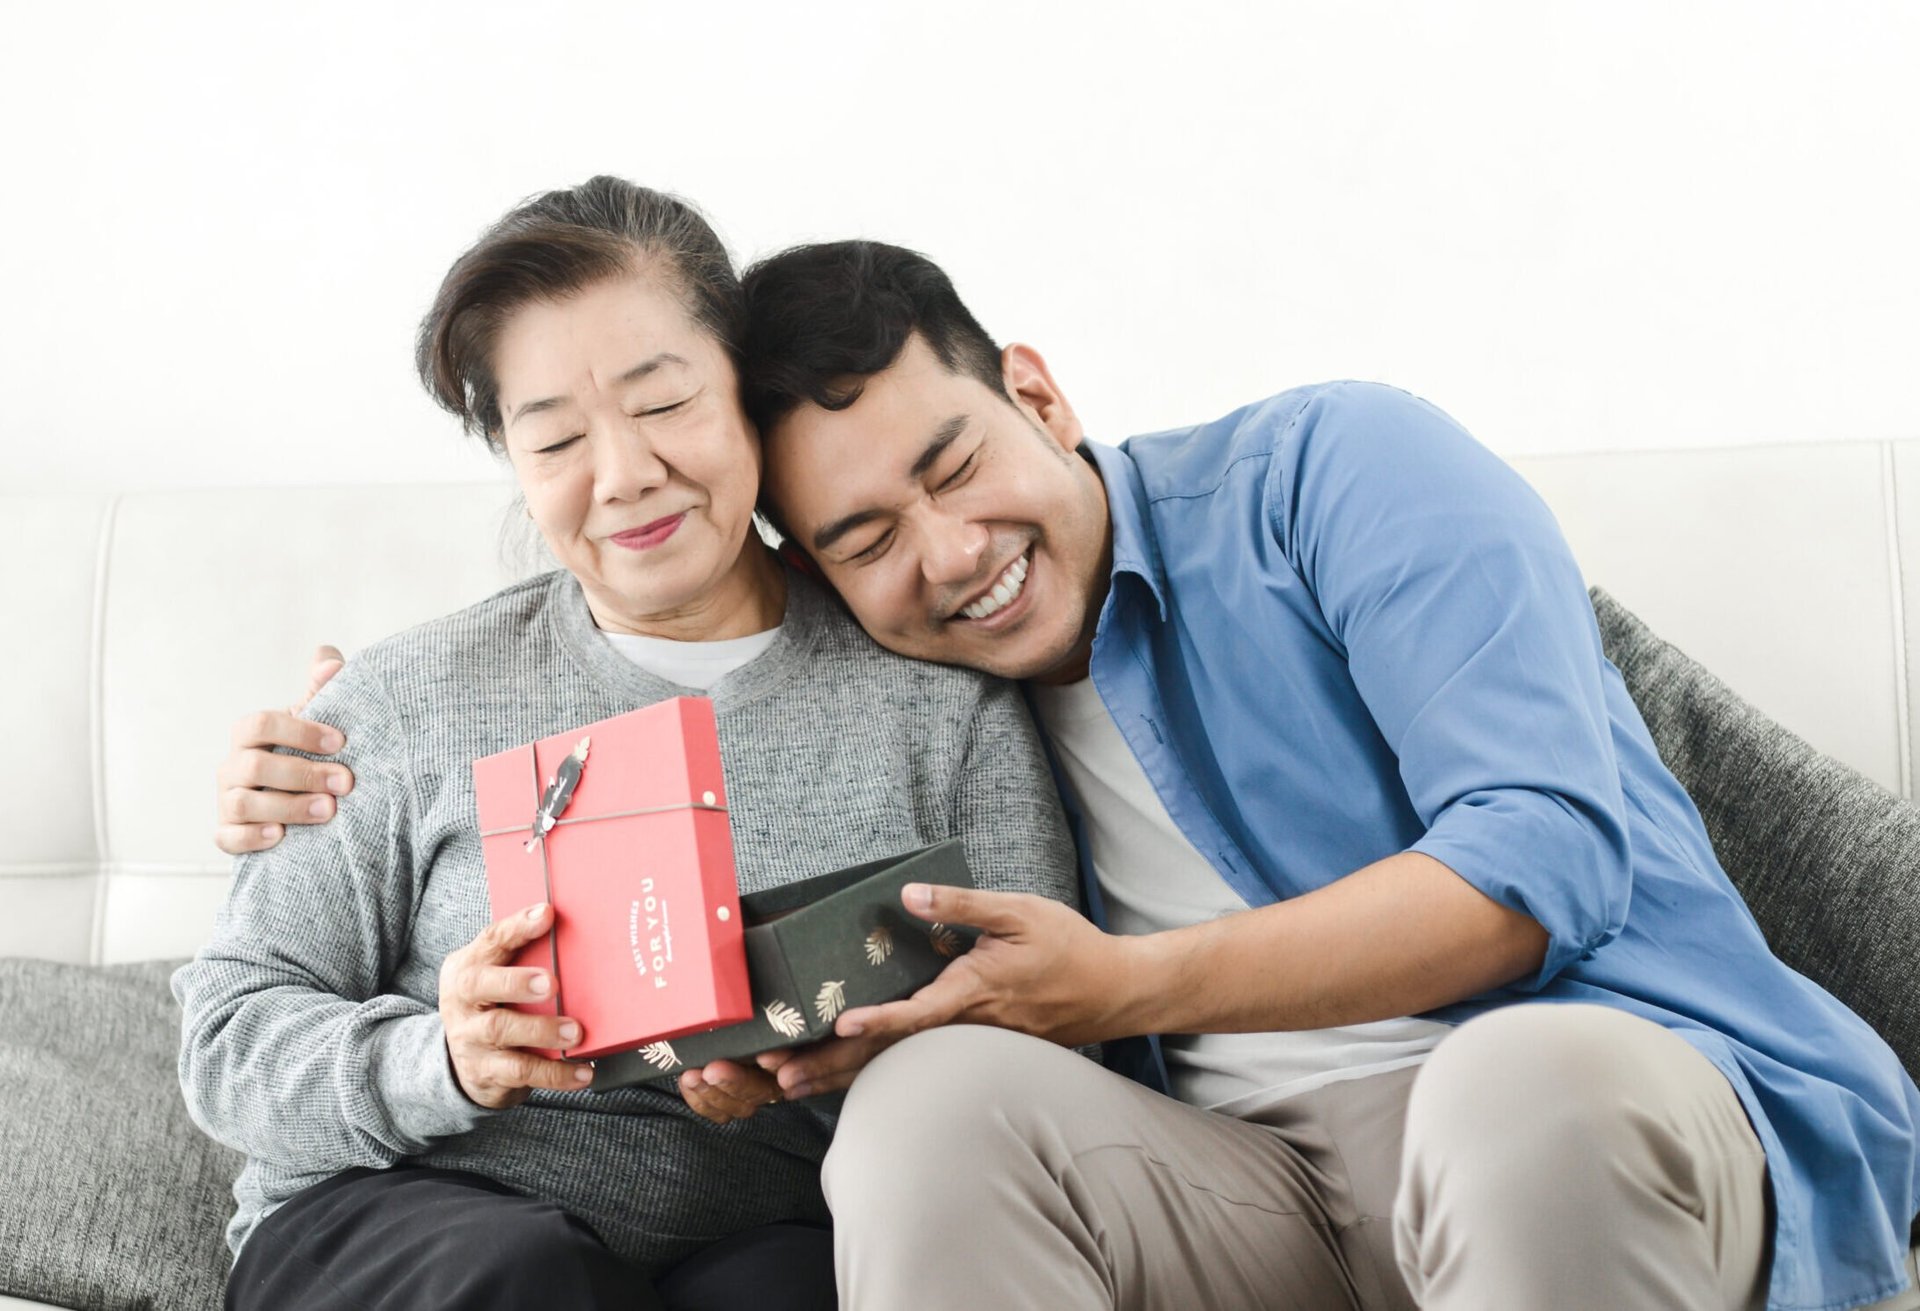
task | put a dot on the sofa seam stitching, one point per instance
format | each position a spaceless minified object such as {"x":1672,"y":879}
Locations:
{"x":83,"y":869}
{"x":1890,"y":493}
{"x":97,"y":736}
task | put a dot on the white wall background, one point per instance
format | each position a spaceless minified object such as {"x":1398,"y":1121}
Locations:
{"x":1575,"y":226}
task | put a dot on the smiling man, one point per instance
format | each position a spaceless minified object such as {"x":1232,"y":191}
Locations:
{"x":1005,"y":591}
{"x":1357,"y":792}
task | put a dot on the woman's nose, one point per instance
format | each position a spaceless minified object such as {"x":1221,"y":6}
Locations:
{"x":625,"y":465}
{"x":952,"y":549}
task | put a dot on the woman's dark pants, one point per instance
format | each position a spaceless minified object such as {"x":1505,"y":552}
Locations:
{"x":420,"y":1239}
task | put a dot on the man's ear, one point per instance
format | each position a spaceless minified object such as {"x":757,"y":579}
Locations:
{"x":798,"y":560}
{"x":1033,"y":389}
{"x":787,"y":549}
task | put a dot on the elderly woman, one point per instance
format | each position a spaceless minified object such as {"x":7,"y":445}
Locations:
{"x":346,"y":1027}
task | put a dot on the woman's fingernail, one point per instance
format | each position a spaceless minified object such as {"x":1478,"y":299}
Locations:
{"x":319,"y":807}
{"x":337,"y":784}
{"x":538,"y":985}
{"x":569,"y":1033}
{"x":535,"y":912}
{"x":919,"y":896}
{"x":794,"y":1094}
{"x":583,"y":1075}
{"x":331,"y":742}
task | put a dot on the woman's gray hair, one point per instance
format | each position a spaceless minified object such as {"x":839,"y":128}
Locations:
{"x":552,"y":246}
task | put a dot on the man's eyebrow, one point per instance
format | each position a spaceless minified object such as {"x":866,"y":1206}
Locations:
{"x":635,"y":374}
{"x":839,"y":528}
{"x":943,"y":436}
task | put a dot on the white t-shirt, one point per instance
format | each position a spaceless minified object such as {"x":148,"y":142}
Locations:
{"x":1152,"y":878}
{"x":691,"y":664}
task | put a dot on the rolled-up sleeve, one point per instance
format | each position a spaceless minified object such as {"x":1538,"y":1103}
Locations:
{"x":1470,"y":638}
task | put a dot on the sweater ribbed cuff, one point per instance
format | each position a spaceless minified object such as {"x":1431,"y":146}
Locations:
{"x":414,"y":1077}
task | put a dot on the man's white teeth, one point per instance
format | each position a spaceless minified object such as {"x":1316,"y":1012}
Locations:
{"x":1003,"y":593}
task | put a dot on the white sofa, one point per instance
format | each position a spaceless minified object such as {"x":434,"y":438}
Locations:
{"x":142,"y":625}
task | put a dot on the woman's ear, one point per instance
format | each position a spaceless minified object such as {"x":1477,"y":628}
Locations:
{"x":1030,"y":383}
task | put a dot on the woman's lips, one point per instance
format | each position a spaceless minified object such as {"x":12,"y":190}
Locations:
{"x":649,"y":535}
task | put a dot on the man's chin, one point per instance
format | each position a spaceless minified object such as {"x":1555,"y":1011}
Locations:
{"x":1010,"y":655}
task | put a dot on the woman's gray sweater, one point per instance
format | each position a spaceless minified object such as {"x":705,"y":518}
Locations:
{"x":313,"y":1041}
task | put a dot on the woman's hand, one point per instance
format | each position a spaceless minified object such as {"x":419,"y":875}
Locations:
{"x":485,"y":1037}
{"x":260,"y":792}
{"x":725,"y":1091}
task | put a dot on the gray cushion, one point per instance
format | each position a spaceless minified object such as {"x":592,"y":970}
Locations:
{"x":111,"y":1198}
{"x":1828,"y":860}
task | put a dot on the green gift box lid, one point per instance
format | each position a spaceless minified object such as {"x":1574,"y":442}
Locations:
{"x":814,"y":949}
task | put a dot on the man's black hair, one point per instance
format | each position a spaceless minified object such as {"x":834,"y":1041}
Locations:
{"x":822,"y":319}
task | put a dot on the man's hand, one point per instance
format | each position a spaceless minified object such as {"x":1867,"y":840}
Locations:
{"x":1401,"y":936}
{"x":485,"y":1037}
{"x":259,"y":791}
{"x":1040,"y":968}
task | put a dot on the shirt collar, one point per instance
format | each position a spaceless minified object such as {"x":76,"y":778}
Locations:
{"x":1135,"y":551}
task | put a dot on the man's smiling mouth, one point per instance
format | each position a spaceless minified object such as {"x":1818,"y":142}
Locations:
{"x":1003,"y":593}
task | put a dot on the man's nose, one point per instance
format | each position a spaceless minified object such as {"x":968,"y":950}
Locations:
{"x":951,"y":549}
{"x":625,"y":464}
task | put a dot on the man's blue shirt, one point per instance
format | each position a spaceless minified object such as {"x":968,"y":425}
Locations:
{"x":1338,"y":629}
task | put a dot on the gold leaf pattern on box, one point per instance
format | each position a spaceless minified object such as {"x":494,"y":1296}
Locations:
{"x":944,"y":940}
{"x":879,"y":945}
{"x":831,"y":1000}
{"x":786,"y":1021}
{"x":660,"y":1055}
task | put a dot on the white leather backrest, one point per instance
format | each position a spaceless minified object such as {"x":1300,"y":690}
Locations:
{"x":140,"y":627}
{"x":50,"y":853}
{"x":1775,"y":567}
{"x":143,"y":626}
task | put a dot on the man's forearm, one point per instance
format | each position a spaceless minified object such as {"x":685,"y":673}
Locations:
{"x":1403,"y":935}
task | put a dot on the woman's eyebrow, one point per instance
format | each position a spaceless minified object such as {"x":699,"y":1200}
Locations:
{"x":644,"y":367}
{"x":635,"y":374}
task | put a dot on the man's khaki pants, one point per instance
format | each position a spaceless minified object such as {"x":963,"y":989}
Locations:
{"x":1544,"y":1156}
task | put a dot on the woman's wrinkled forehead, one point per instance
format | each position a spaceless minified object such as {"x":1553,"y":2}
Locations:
{"x":615,"y":339}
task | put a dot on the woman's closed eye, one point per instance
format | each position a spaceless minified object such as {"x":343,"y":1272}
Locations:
{"x":661,"y":409}
{"x":653,"y":412}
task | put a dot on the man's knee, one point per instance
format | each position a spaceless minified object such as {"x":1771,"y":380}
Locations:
{"x":1545,"y":1141}
{"x":1543,"y":1072}
{"x":948,"y":1074}
{"x":964,"y":1090}
{"x":1527,"y":1100}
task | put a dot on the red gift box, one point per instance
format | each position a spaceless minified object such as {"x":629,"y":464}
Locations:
{"x":622,"y":826}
